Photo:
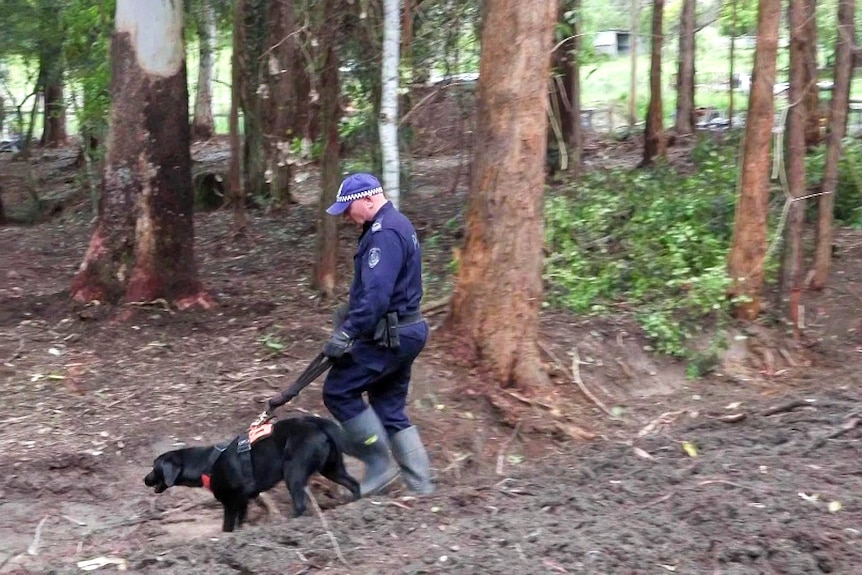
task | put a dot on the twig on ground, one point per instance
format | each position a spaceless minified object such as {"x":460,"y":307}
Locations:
{"x":850,"y":424}
{"x":15,"y":355}
{"x":502,"y":452}
{"x":576,"y":376}
{"x":33,"y":549}
{"x":785,"y":407}
{"x":664,"y":418}
{"x":325,"y":525}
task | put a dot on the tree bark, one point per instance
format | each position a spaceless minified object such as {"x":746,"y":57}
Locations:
{"x":143,"y":246}
{"x":748,"y":249}
{"x":844,"y":49}
{"x":498,"y":294}
{"x":685,"y":73}
{"x":236,"y":185}
{"x":279,"y":52}
{"x":573,"y":84}
{"x":654,"y":140}
{"x":812,"y":92}
{"x":203,"y":126}
{"x":326,"y":263}
{"x":791,"y":266}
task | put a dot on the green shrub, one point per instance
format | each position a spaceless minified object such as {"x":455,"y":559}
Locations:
{"x":652,"y":242}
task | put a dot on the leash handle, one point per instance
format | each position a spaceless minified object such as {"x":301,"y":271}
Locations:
{"x":318,"y":365}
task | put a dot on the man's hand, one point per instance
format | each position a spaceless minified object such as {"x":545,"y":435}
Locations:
{"x":337,"y":345}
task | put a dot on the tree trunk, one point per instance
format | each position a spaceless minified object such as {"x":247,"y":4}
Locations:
{"x":812,"y":92}
{"x":685,"y":73}
{"x":203,"y":126}
{"x":748,"y":250}
{"x":654,"y":141}
{"x":498,"y":295}
{"x":573,"y":84}
{"x":280,"y":52}
{"x":254,"y":30}
{"x":791,"y":266}
{"x":389,"y":100}
{"x":325,"y":269}
{"x":143,"y":246}
{"x":844,"y":48}
{"x":236,"y":186}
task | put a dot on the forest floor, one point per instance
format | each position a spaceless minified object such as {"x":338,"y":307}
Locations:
{"x":752,"y":470}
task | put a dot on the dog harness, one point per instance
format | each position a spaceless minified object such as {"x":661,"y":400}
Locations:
{"x":243,"y":445}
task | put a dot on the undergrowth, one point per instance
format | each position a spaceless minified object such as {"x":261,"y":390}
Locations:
{"x":654,"y":243}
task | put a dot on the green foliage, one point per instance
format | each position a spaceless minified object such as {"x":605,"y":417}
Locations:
{"x":651,"y":242}
{"x":88,"y":29}
{"x":745,"y":18}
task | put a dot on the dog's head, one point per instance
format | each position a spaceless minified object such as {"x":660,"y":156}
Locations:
{"x":166,"y":469}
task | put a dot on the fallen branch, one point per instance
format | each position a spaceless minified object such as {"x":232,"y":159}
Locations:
{"x":576,"y":376}
{"x":436,"y":306}
{"x":786,"y":407}
{"x":33,"y":549}
{"x":325,"y":525}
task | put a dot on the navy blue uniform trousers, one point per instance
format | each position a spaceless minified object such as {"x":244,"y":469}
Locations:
{"x":382,"y":373}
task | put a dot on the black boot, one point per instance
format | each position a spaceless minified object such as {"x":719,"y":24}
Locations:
{"x":413,"y":459}
{"x":366,"y":440}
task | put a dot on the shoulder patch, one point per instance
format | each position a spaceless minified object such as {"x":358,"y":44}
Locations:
{"x":373,"y":257}
{"x":376,"y":227}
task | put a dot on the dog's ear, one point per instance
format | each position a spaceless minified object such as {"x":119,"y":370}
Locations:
{"x":171,"y":471}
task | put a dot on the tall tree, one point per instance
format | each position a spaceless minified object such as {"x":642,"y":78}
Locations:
{"x":654,"y":141}
{"x":748,"y":250}
{"x":498,"y":294}
{"x":236,"y":184}
{"x":633,"y":74}
{"x":389,"y":99}
{"x":51,"y":75}
{"x":142,"y":248}
{"x":844,"y":50}
{"x":811,"y":95}
{"x":203,"y":126}
{"x":279,"y":103}
{"x":685,"y":72}
{"x":791,"y":268}
{"x":326,"y":65}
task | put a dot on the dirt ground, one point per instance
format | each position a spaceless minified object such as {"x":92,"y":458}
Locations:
{"x":754,"y":470}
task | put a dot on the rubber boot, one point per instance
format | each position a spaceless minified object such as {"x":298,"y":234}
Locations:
{"x":366,"y":440}
{"x":413,"y":459}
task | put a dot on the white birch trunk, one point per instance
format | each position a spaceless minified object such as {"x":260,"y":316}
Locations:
{"x":156,"y":31}
{"x":389,"y":99}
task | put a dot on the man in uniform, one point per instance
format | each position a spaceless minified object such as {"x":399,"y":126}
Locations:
{"x":374,"y":343}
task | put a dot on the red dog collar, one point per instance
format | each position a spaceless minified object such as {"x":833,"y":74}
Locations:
{"x":205,"y":479}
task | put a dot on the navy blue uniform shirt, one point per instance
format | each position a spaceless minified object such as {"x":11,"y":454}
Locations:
{"x":387,"y":272}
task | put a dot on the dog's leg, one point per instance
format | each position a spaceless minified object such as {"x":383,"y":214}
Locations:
{"x":242,"y":512}
{"x":334,"y":470}
{"x":229,"y":521}
{"x":266,"y":502}
{"x":296,"y":479}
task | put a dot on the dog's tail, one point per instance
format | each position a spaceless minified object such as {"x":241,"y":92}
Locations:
{"x":335,"y":433}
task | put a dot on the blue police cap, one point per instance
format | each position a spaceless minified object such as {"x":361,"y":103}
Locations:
{"x":353,"y":187}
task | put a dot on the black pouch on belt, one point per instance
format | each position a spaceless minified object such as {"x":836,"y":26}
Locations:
{"x":386,"y":331}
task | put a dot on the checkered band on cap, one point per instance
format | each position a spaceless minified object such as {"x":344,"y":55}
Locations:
{"x":357,"y":195}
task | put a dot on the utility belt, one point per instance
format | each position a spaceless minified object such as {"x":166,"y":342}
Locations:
{"x":386,"y":330}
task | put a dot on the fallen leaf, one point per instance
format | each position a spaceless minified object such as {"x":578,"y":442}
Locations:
{"x":689,"y":448}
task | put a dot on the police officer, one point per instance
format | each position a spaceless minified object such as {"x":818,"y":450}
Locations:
{"x":374,"y":344}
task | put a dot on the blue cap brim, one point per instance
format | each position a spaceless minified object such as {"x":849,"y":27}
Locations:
{"x":337,"y":208}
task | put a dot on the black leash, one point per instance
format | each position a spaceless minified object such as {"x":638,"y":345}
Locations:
{"x":318,"y":366}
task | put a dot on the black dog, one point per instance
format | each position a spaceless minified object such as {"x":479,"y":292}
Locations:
{"x":290,"y":450}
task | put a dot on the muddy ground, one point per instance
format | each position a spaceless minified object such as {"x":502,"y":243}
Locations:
{"x":754,"y":470}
